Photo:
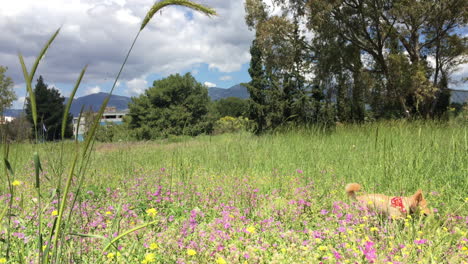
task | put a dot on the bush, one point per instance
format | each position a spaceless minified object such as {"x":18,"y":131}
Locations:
{"x":229,"y":124}
{"x":114,"y":132}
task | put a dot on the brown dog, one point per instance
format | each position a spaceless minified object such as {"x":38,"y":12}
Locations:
{"x":395,"y":207}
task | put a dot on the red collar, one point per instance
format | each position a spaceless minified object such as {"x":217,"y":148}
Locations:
{"x":398,"y":203}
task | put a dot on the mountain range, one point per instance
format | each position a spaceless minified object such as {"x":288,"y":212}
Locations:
{"x":94,"y":101}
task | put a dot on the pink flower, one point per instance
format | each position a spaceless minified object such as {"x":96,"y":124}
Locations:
{"x":420,"y":241}
{"x":299,"y":171}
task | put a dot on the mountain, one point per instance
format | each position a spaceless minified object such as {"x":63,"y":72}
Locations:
{"x":12,"y":112}
{"x":94,"y":101}
{"x":238,"y":90}
{"x":459,"y":96}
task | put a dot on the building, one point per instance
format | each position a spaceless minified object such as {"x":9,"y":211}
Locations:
{"x":6,"y":119}
{"x":110,"y":116}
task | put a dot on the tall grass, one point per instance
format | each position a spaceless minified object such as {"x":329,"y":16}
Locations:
{"x":81,"y":153}
{"x":258,"y":175}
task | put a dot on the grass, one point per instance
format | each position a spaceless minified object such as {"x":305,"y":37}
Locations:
{"x":238,"y":197}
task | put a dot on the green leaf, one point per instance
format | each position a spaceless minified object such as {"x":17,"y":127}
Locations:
{"x":70,"y":100}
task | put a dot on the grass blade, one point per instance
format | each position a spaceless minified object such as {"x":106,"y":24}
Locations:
{"x":42,"y":54}
{"x":128,"y":232}
{"x":32,"y":96}
{"x":70,"y":100}
{"x":159,"y":5}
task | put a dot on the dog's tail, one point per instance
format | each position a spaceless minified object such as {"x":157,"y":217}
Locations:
{"x":351,"y":189}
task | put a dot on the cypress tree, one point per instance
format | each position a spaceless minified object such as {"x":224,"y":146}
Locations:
{"x":50,"y":108}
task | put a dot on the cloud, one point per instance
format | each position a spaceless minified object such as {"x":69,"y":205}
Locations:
{"x":225,"y":78}
{"x":98,"y":33}
{"x":19,"y":103}
{"x":209,"y":84}
{"x":136,"y":86}
{"x":92,"y":90}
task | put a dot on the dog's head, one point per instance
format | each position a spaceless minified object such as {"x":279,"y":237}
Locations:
{"x":419,"y":204}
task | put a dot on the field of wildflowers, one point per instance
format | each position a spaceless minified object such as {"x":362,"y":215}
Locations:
{"x":240,"y":198}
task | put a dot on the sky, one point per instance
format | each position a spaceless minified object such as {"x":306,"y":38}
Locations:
{"x":98,"y":33}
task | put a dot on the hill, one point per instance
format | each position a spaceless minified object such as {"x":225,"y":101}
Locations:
{"x":238,"y":90}
{"x":94,"y":101}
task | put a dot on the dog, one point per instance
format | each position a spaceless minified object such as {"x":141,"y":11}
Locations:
{"x":395,"y":207}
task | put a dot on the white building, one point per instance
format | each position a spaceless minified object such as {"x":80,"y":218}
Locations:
{"x":110,"y":115}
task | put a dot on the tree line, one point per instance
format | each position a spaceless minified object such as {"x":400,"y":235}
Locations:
{"x":324,"y":61}
{"x":173,"y":106}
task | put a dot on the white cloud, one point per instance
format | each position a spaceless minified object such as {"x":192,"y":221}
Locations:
{"x":209,"y":84}
{"x":225,"y":78}
{"x":19,"y":103}
{"x":92,"y":90}
{"x":136,"y":86}
{"x":98,"y":33}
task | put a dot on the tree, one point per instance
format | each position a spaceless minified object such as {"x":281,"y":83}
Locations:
{"x":50,"y":109}
{"x":415,"y":29}
{"x":176,"y":105}
{"x":231,"y":106}
{"x":7,"y":94}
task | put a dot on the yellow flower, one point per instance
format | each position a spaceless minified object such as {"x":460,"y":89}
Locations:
{"x":152,"y":212}
{"x":466,"y":199}
{"x":322,"y":248}
{"x":369,"y":202}
{"x":108,"y":213}
{"x":3,"y":260}
{"x":110,"y":256}
{"x":374,"y":229}
{"x":283,"y":250}
{"x":464,"y":248}
{"x":220,"y":260}
{"x":153,"y":246}
{"x":16,"y":183}
{"x":149,"y":258}
{"x":54,"y":212}
{"x":250,"y":229}
{"x":191,"y":252}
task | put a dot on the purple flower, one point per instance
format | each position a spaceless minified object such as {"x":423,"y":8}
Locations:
{"x":299,"y":171}
{"x":420,"y":241}
{"x":323,"y":212}
{"x":369,"y":252}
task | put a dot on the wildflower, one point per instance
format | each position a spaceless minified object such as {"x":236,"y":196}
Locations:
{"x":250,"y":229}
{"x":464,"y":248}
{"x":3,"y":260}
{"x":220,"y":260}
{"x":299,"y":171}
{"x":54,"y":213}
{"x":322,"y":248}
{"x":108,"y":213}
{"x":374,"y":229}
{"x":420,"y":241}
{"x":16,"y":183}
{"x":149,"y":258}
{"x":369,"y":252}
{"x":110,"y":256}
{"x":153,"y":246}
{"x":152,"y":212}
{"x":191,"y":252}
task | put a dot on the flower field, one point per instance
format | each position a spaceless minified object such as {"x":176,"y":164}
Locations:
{"x":239,"y":198}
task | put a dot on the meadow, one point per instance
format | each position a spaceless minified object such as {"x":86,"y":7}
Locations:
{"x":241,"y":198}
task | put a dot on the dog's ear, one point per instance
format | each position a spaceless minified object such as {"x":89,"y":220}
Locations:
{"x":417,"y":198}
